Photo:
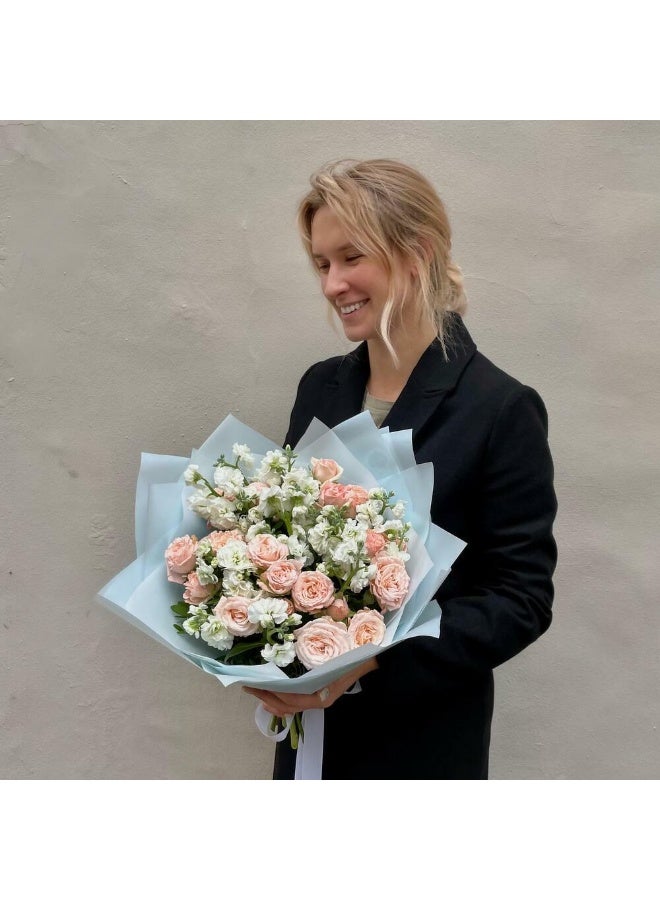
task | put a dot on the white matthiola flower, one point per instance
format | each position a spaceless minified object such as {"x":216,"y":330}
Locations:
{"x":243,"y":454}
{"x":299,"y":483}
{"x":299,"y":549}
{"x":203,"y":547}
{"x":191,"y":474}
{"x":360,"y":580}
{"x":369,"y":512}
{"x":280,"y":654}
{"x":228,"y":480}
{"x":398,"y":510}
{"x":216,"y":635}
{"x":319,"y":535}
{"x":322,"y":568}
{"x":270,"y":501}
{"x":256,"y":517}
{"x":260,"y":527}
{"x":378,"y":493}
{"x":238,"y":584}
{"x":194,"y":623}
{"x":347,"y":552}
{"x":268,"y":611}
{"x":392,"y":549}
{"x":205,"y":573}
{"x":273,"y":466}
{"x":216,"y":510}
{"x":234,"y":555}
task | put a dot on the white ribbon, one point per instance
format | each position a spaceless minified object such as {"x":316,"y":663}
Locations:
{"x":309,"y":756}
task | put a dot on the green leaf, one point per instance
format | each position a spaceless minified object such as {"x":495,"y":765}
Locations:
{"x":179,"y":629}
{"x":181,"y":609}
{"x":237,"y":649}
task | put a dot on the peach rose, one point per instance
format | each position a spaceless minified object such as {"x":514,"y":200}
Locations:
{"x":325,"y":469}
{"x":355,"y":495}
{"x":332,"y":494}
{"x":374,"y":542}
{"x":338,"y":609}
{"x":218,"y":539}
{"x":264,"y":550}
{"x":321,"y":640}
{"x":312,"y":591}
{"x":366,"y":627}
{"x":233,"y":613}
{"x":390,"y":586}
{"x":195,"y":592}
{"x":180,"y":558}
{"x":281,"y":576}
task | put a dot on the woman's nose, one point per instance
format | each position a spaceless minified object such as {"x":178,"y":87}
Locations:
{"x":335,"y":283}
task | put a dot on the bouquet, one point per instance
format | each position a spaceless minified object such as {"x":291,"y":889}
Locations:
{"x":283,"y":568}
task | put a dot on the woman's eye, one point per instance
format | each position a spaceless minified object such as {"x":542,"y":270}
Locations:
{"x":354,"y":258}
{"x":322,"y":267}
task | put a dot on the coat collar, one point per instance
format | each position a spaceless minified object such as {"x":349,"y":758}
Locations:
{"x":430,"y":381}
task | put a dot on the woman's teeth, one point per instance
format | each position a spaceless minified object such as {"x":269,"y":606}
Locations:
{"x":349,"y":309}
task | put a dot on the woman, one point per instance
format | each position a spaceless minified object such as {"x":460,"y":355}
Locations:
{"x":379,"y":238}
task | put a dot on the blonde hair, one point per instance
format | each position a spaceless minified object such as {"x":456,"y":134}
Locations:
{"x":393,"y":214}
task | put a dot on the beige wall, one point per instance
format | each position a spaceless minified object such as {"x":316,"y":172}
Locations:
{"x":151,"y":282}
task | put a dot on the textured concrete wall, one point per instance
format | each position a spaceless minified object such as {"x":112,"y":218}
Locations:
{"x":151,"y":282}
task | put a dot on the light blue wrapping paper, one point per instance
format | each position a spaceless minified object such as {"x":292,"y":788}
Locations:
{"x":142,"y":595}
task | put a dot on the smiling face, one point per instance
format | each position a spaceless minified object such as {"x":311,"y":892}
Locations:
{"x":357,"y":286}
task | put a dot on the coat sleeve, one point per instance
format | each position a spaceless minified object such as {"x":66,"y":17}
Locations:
{"x":507,"y":603}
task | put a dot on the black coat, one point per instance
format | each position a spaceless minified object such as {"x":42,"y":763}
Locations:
{"x":426,"y":712}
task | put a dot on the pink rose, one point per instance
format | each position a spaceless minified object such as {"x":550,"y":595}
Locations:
{"x":218,"y":539}
{"x":233,"y":613}
{"x":312,"y":591}
{"x":374,"y":542}
{"x":195,"y":592}
{"x":338,"y":494}
{"x":325,"y":469}
{"x":390,"y":586}
{"x":332,"y":494}
{"x":321,"y":640}
{"x":180,"y":558}
{"x":366,"y":627}
{"x":281,"y":576}
{"x":264,"y":550}
{"x":338,"y":609}
{"x":355,"y":495}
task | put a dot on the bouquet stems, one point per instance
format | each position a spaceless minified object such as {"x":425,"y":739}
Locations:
{"x":296,"y":731}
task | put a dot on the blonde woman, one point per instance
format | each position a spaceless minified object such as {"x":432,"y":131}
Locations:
{"x":378,"y":236}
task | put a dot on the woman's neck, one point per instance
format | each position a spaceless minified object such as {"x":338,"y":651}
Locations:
{"x":385,"y":381}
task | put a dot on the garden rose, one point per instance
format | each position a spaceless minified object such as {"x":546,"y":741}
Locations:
{"x":366,"y":627}
{"x":312,"y":591}
{"x":332,"y":494}
{"x":391,"y":582}
{"x":233,"y":613}
{"x":281,"y":576}
{"x":355,"y":495}
{"x":338,"y":609}
{"x":321,"y":640}
{"x":325,"y":469}
{"x":338,"y":494}
{"x":218,"y":539}
{"x":264,"y":550}
{"x":374,"y":542}
{"x":195,"y":592}
{"x":180,"y":558}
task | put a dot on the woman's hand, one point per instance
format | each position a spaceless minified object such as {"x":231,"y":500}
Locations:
{"x":287,"y":704}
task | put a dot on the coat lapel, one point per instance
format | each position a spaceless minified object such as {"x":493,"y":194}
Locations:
{"x":430,"y":381}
